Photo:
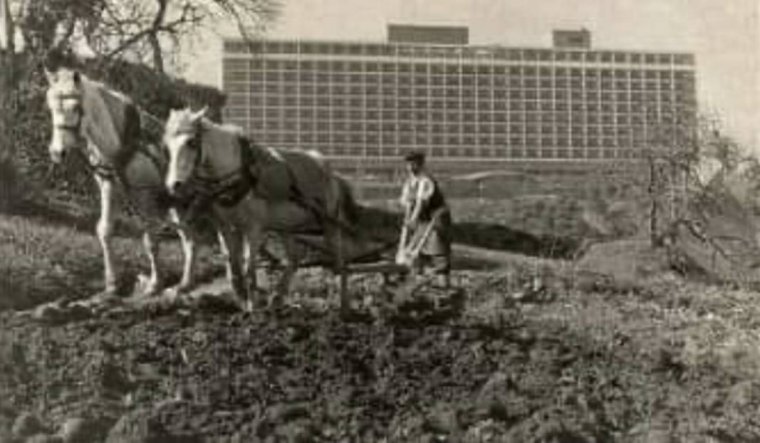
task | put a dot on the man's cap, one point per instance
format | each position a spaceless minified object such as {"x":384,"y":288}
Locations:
{"x":415,"y":156}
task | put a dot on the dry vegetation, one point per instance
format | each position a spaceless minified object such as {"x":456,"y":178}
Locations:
{"x":43,"y":260}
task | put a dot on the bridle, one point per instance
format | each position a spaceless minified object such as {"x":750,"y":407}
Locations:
{"x":194,"y":144}
{"x":78,"y":109}
{"x":227,"y":189}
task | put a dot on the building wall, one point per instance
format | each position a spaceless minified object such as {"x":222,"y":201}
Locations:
{"x":447,"y":35}
{"x":571,"y":38}
{"x":368,"y":103}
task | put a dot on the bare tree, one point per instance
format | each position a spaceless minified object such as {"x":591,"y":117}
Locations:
{"x":656,"y":178}
{"x":147,"y":25}
{"x":147,"y":28}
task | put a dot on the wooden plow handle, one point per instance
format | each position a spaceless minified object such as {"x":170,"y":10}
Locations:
{"x":408,"y":254}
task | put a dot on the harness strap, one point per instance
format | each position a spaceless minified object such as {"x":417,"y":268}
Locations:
{"x":239,"y":182}
{"x":227,"y":190}
{"x":298,"y":197}
{"x":109,"y":173}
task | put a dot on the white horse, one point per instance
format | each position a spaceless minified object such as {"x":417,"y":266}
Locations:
{"x":108,"y":127}
{"x":252,"y":189}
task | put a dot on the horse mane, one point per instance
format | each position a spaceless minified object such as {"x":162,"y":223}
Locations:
{"x":106,"y":123}
{"x":116,"y":117}
{"x":100,"y":85}
{"x":263,"y":155}
{"x":351,"y":208}
{"x":231,"y":128}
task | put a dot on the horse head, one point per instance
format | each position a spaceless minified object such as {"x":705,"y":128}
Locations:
{"x":65,"y":96}
{"x":182,"y":128}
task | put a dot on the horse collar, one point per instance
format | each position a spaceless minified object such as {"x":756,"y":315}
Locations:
{"x":196,"y":144}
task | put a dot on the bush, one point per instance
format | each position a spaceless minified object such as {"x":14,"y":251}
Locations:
{"x":29,"y":125}
{"x":9,"y":185}
{"x":8,"y":189}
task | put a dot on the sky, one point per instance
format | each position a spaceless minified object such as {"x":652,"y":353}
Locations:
{"x":723,"y":34}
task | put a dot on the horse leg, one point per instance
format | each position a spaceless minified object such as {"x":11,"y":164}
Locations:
{"x":291,"y":265}
{"x":187,"y":238}
{"x":255,"y":238}
{"x":104,"y":231}
{"x":339,"y":196}
{"x":225,"y":253}
{"x":152,"y":247}
{"x":335,"y":238}
{"x":231,"y":243}
{"x":342,"y":276}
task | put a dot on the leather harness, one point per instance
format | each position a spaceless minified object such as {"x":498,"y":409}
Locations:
{"x":227,"y":190}
{"x":114,"y":170}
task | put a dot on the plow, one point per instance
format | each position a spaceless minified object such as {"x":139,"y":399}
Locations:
{"x":366,"y":253}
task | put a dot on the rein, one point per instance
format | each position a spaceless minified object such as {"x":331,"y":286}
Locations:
{"x":231,"y":187}
{"x":113,"y":172}
{"x":76,"y":127}
{"x":228,"y":189}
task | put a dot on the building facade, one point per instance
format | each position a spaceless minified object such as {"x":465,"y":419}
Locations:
{"x":364,"y":103}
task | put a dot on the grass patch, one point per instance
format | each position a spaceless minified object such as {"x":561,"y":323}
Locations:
{"x":505,"y":224}
{"x":42,"y":261}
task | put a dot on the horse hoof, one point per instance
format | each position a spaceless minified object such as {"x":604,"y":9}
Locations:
{"x":146,"y":286}
{"x":176,"y":291}
{"x":110,"y":289}
{"x":152,"y":290}
{"x":172,"y":295}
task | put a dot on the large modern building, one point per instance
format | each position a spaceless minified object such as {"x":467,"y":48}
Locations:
{"x":366,"y":103}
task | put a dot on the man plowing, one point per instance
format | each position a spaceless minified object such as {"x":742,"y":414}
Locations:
{"x":426,"y":233}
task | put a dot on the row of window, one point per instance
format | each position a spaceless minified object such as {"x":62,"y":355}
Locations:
{"x":455,"y":123}
{"x":625,"y":137}
{"x":468,"y":111}
{"x":363,"y":140}
{"x":408,"y":50}
{"x":469,"y":94}
{"x":543,"y":99}
{"x":455,"y":85}
{"x":509,"y":149}
{"x":469,"y":153}
{"x":392,"y":70}
{"x":585,"y":115}
{"x":431,"y":98}
{"x":396,"y":69}
{"x":448,"y":127}
{"x":258,"y":89}
{"x":359,"y":107}
{"x":453,"y":120}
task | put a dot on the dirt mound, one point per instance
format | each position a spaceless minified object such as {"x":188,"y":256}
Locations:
{"x":623,"y":264}
{"x":611,"y":220}
{"x":298,"y":375}
{"x":572,"y":367}
{"x":720,"y":240}
{"x":715,"y":237}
